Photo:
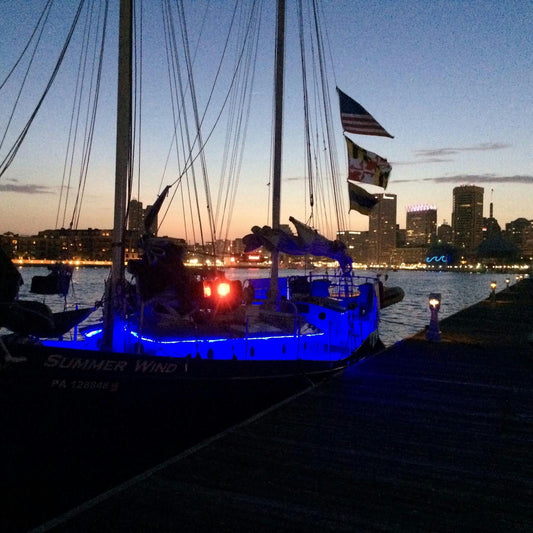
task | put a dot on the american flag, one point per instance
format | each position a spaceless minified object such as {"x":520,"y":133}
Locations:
{"x":356,"y":119}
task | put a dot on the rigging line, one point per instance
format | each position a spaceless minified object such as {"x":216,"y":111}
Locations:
{"x":306,"y":106}
{"x":243,"y":105}
{"x":134,"y":103}
{"x":133,"y":74}
{"x":177,"y":85}
{"x":177,"y":81}
{"x":339,"y":211}
{"x":217,"y":74}
{"x":253,"y":51}
{"x":173,"y":140}
{"x":6,"y":162}
{"x":191,"y":159}
{"x":320,"y":149}
{"x":89,"y":141}
{"x":47,"y":7}
{"x":138,"y":96}
{"x":75,"y":119}
{"x":207,"y":189}
{"x":171,"y":71}
{"x":23,"y":84}
{"x":321,"y":16}
{"x":231,"y":137}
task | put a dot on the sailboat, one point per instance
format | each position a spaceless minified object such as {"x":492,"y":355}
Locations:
{"x":173,"y":332}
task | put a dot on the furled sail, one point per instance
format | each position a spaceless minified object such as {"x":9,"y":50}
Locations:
{"x":307,"y":241}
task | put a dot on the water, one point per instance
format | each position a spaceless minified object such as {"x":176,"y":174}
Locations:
{"x":411,"y":315}
{"x":458,"y":290}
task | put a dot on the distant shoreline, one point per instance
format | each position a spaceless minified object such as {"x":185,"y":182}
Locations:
{"x":47,"y":262}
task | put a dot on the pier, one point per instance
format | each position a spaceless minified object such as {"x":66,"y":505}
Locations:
{"x":425,"y":436}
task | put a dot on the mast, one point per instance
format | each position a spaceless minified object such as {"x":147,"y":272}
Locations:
{"x":278,"y":127}
{"x":122,"y":168}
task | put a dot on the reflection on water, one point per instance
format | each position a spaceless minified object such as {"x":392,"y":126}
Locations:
{"x":458,"y":290}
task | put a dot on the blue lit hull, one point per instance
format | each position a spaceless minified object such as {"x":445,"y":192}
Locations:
{"x":328,"y":334}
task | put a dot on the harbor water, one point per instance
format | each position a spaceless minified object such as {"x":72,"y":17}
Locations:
{"x":458,"y":291}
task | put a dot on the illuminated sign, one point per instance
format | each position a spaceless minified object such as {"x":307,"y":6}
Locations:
{"x":437,"y":259}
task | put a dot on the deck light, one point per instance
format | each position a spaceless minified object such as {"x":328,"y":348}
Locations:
{"x":433,"y":333}
{"x":507,"y":281}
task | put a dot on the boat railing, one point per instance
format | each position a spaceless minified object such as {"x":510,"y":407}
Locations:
{"x":323,"y":285}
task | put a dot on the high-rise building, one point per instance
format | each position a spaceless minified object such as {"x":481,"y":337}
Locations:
{"x":467,"y":217}
{"x":355,"y":242}
{"x":445,"y":233}
{"x":135,"y":216}
{"x":520,"y":233}
{"x":382,"y":229}
{"x":421,"y":224}
{"x":491,"y":228}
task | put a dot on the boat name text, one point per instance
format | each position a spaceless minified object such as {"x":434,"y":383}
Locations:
{"x":109,"y":365}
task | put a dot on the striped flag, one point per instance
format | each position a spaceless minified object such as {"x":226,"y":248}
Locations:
{"x":356,"y":119}
{"x":367,"y":167}
{"x":361,"y":200}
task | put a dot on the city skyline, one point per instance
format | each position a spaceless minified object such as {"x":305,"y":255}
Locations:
{"x":138,"y":209}
{"x":458,"y":105}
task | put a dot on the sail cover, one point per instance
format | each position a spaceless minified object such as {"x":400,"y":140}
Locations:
{"x":307,"y":241}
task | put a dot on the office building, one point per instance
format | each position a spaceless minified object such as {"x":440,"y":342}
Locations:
{"x":356,"y":244}
{"x":421,"y":224}
{"x":135,"y":216}
{"x":467,"y":217}
{"x":382,"y":230}
{"x":445,"y":233}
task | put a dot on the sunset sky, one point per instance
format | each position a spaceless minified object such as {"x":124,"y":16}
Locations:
{"x":450,"y":80}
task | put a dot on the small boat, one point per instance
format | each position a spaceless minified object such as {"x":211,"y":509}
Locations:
{"x":56,"y":282}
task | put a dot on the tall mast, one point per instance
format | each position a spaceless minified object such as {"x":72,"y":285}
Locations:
{"x":278,"y":127}
{"x":122,"y":166}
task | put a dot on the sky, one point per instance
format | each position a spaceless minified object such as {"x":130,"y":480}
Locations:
{"x":450,"y":80}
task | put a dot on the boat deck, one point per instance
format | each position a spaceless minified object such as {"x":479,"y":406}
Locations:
{"x":423,"y":437}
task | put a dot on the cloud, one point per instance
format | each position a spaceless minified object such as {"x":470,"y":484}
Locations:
{"x":473,"y":178}
{"x":26,"y":189}
{"x":422,"y":162}
{"x":439,"y":152}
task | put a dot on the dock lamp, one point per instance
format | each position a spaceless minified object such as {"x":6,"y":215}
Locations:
{"x":507,"y":281}
{"x":433,"y":333}
{"x":493,"y":285}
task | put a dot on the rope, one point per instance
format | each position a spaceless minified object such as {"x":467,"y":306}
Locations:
{"x":6,"y":162}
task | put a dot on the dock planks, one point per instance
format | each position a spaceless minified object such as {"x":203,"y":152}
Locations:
{"x":423,"y":437}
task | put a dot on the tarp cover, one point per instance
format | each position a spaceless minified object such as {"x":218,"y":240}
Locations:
{"x":307,"y":241}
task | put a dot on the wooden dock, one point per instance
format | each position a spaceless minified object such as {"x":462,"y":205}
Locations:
{"x":423,"y":437}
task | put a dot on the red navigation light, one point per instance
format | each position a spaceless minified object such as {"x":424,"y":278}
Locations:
{"x":207,"y":290}
{"x":223,"y":289}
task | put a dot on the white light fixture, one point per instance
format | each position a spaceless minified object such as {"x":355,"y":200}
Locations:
{"x":433,"y":332}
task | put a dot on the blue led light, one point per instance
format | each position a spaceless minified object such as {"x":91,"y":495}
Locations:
{"x":213,"y":340}
{"x":92,"y":333}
